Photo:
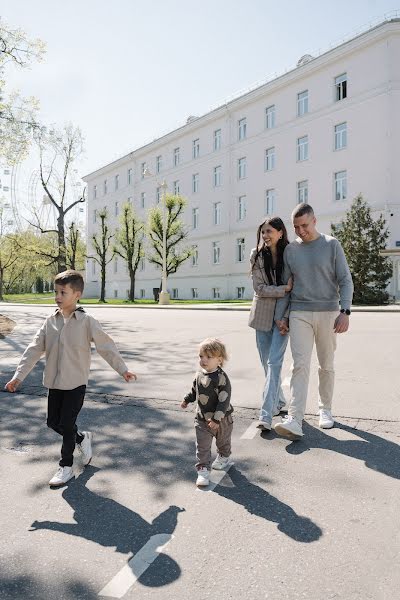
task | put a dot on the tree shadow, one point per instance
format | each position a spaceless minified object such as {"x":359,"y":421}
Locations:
{"x":262,"y":504}
{"x":377,"y":453}
{"x":118,"y":527}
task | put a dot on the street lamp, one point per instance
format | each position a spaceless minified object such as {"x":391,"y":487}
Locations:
{"x":164,"y":296}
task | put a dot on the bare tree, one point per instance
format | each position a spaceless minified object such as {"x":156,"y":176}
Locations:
{"x":102,"y":247}
{"x":129,"y":243}
{"x":75,"y":247}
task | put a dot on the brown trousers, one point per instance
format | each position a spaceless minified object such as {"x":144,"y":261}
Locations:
{"x":204,"y":438}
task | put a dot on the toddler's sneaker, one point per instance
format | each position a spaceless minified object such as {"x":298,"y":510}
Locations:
{"x":203,"y":477}
{"x":63,"y":475}
{"x":289,"y":428}
{"x":222,"y":462}
{"x":325,"y":419}
{"x":85,"y":447}
{"x":264,"y":426}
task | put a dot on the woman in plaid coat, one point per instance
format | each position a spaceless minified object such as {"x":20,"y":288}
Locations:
{"x":266,"y":261}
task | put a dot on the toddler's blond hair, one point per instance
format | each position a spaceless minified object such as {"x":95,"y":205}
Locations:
{"x":213,"y":347}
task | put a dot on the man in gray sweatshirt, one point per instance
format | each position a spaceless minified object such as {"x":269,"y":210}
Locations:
{"x":321,"y":280}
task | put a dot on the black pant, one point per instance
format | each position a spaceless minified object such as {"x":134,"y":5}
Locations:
{"x":63,"y":407}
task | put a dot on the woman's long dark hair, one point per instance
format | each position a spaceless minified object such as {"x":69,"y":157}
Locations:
{"x":278,"y":224}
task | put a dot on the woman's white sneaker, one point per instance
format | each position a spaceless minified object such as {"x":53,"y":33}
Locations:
{"x":264,"y":426}
{"x":63,"y":475}
{"x":85,"y":447}
{"x":222,"y":462}
{"x":203,"y":477}
{"x":325,"y":419}
{"x":289,"y":428}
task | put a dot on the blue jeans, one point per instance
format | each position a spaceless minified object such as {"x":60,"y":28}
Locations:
{"x":271,"y":347}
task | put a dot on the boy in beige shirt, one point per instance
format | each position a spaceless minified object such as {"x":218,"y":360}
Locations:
{"x":65,"y":339}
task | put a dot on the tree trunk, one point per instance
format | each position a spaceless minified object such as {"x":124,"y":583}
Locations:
{"x":1,"y":284}
{"x":103,"y":283}
{"x":62,"y":258}
{"x":132,"y":287}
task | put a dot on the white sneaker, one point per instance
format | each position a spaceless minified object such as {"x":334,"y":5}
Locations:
{"x":264,"y":426}
{"x":85,"y":447}
{"x":63,"y":475}
{"x":325,"y":419}
{"x":222,"y":462}
{"x":203,"y":477}
{"x":289,"y":428}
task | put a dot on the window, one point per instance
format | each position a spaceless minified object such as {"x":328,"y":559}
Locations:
{"x":242,"y":168}
{"x":341,"y":87}
{"x":95,"y":192}
{"x":242,"y":126}
{"x":196,"y":148}
{"x":240,"y":249}
{"x":158,"y":194}
{"x":195,"y":183}
{"x":195,"y":257}
{"x":302,"y":103}
{"x":115,"y":293}
{"x":158,"y":163}
{"x":195,"y":218}
{"x":94,"y":216}
{"x":142,"y":199}
{"x":270,"y":159}
{"x":105,"y":187}
{"x":240,"y":293}
{"x":302,"y":148}
{"x":217,"y":213}
{"x":142,"y":293}
{"x":130,"y":177}
{"x":116,"y":209}
{"x":93,"y":267}
{"x":177,"y":157}
{"x":195,"y":293}
{"x":175,"y":293}
{"x":270,"y":117}
{"x":130,"y":200}
{"x":116,"y":182}
{"x":216,"y":293}
{"x":302,"y":191}
{"x":340,"y":136}
{"x":217,"y":139}
{"x":115,"y":265}
{"x":216,"y":246}
{"x":270,"y":202}
{"x":217,"y":176}
{"x":142,"y":263}
{"x":143,"y":167}
{"x":176,"y":187}
{"x":241,"y":208}
{"x":341,"y":185}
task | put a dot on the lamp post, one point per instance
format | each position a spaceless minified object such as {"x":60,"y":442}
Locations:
{"x":164,"y":295}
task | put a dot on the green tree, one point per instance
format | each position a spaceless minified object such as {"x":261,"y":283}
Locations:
{"x":129,"y":243}
{"x":75,"y":248}
{"x":103,"y":249}
{"x":176,"y":233}
{"x":362,"y":239}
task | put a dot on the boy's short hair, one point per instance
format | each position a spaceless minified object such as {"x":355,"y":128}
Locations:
{"x":214,"y":347}
{"x":74,"y":278}
{"x":302,"y":209}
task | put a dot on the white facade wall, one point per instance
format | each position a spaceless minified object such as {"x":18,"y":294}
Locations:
{"x":371,"y":112}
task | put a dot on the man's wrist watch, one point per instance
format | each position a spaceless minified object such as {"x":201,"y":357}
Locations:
{"x":345,"y":311}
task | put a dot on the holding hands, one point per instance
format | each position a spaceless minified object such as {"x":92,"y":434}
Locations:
{"x":128,"y":376}
{"x":12,"y":385}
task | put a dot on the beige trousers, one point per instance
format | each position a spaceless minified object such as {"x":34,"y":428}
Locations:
{"x":204,"y":438}
{"x":307,"y":327}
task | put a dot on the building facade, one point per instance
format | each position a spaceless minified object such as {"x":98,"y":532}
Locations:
{"x":322,"y":133}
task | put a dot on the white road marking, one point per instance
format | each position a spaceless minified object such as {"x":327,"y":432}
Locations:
{"x":250,"y":432}
{"x":137,"y":565}
{"x":215,"y":479}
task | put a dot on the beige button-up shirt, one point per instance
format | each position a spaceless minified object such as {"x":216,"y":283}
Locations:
{"x":67,"y":348}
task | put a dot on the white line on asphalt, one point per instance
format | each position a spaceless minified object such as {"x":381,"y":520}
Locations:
{"x":250,"y":431}
{"x":137,"y":565}
{"x":215,"y":479}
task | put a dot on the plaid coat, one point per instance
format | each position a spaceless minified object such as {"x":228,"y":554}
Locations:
{"x":265,"y":295}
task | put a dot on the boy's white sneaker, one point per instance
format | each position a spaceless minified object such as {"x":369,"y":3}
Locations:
{"x":325,"y":419}
{"x":63,"y":475}
{"x":289,"y":428}
{"x":222,"y":462}
{"x":85,"y":447}
{"x":203,"y":477}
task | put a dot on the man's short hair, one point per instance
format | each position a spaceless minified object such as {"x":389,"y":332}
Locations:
{"x":302,"y":209}
{"x":74,"y":278}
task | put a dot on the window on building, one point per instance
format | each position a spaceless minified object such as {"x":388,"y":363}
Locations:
{"x":270,"y":117}
{"x":216,"y":247}
{"x":341,"y":185}
{"x":158,"y":194}
{"x":195,"y":293}
{"x":242,"y":168}
{"x":302,"y":148}
{"x":341,"y":87}
{"x":195,"y":183}
{"x":177,"y":156}
{"x":270,"y":159}
{"x":240,"y":249}
{"x":143,"y":199}
{"x":195,"y":218}
{"x":217,"y":139}
{"x":270,"y":202}
{"x":302,"y":103}
{"x":196,"y":148}
{"x":116,"y":182}
{"x":242,"y":126}
{"x":143,"y":167}
{"x":94,"y":216}
{"x":142,"y":263}
{"x":217,"y":213}
{"x":240,"y":293}
{"x":142,"y":293}
{"x":340,"y":136}
{"x":115,"y":293}
{"x":217,"y":179}
{"x":93,"y":267}
{"x":158,"y":163}
{"x":115,"y":265}
{"x":176,"y":188}
{"x":302,"y":191}
{"x":175,"y":293}
{"x":195,"y":257}
{"x":241,"y":208}
{"x":95,"y":192}
{"x":130,"y":176}
{"x":116,"y":209}
{"x":105,"y":186}
{"x":130,"y":200}
{"x":216,"y":293}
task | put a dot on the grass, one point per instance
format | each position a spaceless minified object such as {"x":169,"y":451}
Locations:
{"x":48,"y":298}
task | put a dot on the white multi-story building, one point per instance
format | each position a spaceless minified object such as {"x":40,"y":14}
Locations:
{"x":322,"y":133}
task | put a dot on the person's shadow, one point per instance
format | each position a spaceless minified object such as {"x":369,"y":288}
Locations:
{"x":108,"y":523}
{"x":377,"y":453}
{"x":262,"y":504}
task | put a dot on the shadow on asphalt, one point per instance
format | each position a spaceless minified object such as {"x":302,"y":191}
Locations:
{"x":377,"y":453}
{"x":30,"y":585}
{"x":262,"y":504}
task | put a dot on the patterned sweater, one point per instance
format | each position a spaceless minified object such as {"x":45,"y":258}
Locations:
{"x":213,"y":394}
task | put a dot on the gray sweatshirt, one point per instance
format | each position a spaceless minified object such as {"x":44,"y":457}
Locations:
{"x":321,"y":276}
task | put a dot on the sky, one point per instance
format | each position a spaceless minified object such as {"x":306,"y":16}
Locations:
{"x":129,"y":71}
